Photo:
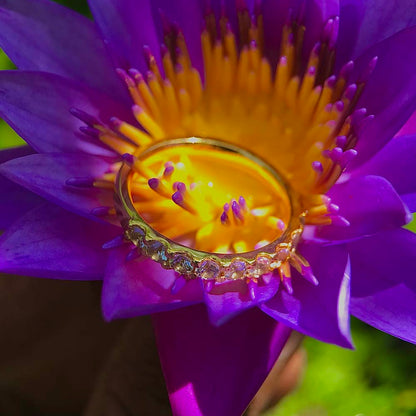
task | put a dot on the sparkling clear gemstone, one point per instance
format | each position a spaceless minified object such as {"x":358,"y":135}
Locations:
{"x":209,"y":269}
{"x":261,"y":266}
{"x":296,"y":236}
{"x":136,"y":235}
{"x":157,"y":251}
{"x":282,"y":254}
{"x":141,"y":245}
{"x":137,"y":232}
{"x":182,"y":264}
{"x":236,"y":270}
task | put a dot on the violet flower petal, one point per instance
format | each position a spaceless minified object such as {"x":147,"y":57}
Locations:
{"x":319,"y":311}
{"x":365,"y":23}
{"x":390,"y":310}
{"x":53,"y":243}
{"x":14,"y":202}
{"x":369,"y":257}
{"x":14,"y":152}
{"x":229,"y":299}
{"x":34,"y":173}
{"x":14,"y":199}
{"x":383,"y":287}
{"x":44,"y":36}
{"x":126,"y":26}
{"x":410,"y":201}
{"x":370,"y":204}
{"x":314,"y":14}
{"x":410,"y":126}
{"x":142,"y":286}
{"x":389,"y":94}
{"x":216,"y":371}
{"x":396,"y":162}
{"x":37,"y":106}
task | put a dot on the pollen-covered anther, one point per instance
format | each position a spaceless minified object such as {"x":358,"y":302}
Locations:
{"x":235,"y":213}
{"x":184,"y":199}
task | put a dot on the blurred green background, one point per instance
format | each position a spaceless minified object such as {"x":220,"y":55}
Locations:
{"x":378,"y":379}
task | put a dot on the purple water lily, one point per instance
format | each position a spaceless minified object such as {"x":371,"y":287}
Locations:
{"x":245,"y":179}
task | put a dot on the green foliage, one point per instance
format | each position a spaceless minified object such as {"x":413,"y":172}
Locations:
{"x":377,"y":379}
{"x":8,"y":137}
{"x":412,"y":225}
{"x":80,"y":6}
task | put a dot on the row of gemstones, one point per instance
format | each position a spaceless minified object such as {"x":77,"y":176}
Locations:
{"x":209,"y":268}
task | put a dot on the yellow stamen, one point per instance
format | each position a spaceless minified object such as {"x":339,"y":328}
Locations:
{"x":139,"y":137}
{"x":149,"y":124}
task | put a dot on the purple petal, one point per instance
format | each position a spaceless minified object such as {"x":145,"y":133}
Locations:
{"x":370,"y":204}
{"x":37,"y":106}
{"x":383,"y":286}
{"x":229,"y":299}
{"x":14,"y":200}
{"x":390,"y":256}
{"x":318,"y":311}
{"x":390,"y":93}
{"x":410,"y":126}
{"x":46,"y":175}
{"x":44,"y":36}
{"x":216,"y":371}
{"x":365,"y":23}
{"x":188,"y":15}
{"x":126,"y":26}
{"x":53,"y":243}
{"x":142,"y":286}
{"x":314,"y":15}
{"x":14,"y":152}
{"x":390,"y":310}
{"x":410,"y":201}
{"x":396,"y":162}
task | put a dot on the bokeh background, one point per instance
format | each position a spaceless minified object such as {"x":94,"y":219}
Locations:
{"x":377,"y":379}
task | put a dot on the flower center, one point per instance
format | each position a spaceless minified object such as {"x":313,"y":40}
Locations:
{"x":283,"y":135}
